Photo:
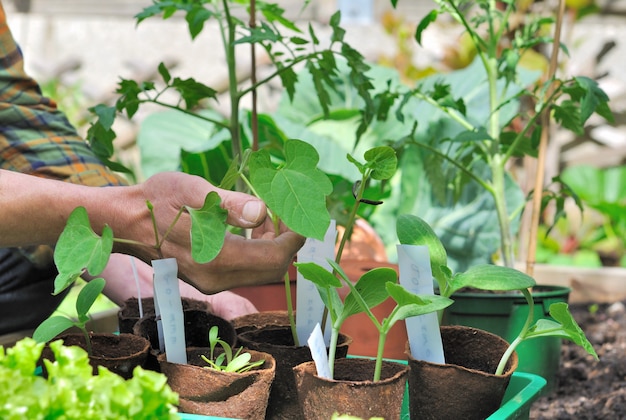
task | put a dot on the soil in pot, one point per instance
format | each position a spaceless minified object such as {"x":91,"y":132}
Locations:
{"x":216,"y":393}
{"x":352,"y":391}
{"x":128,"y":314}
{"x":466,"y":386}
{"x":120,"y":353}
{"x":278,"y":341}
{"x":197,"y":326}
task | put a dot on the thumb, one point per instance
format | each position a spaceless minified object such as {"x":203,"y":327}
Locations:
{"x":244,"y":210}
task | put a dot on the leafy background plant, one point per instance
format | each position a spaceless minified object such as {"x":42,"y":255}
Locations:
{"x":71,"y":389}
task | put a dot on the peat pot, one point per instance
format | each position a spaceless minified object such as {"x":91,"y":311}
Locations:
{"x":465,"y":387}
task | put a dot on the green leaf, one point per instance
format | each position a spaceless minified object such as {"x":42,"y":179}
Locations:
{"x":410,"y":304}
{"x":371,"y":288}
{"x":413,"y":230}
{"x":564,"y":327}
{"x":317,"y":274}
{"x":208,"y":229}
{"x":424,"y":23}
{"x":79,"y":248}
{"x":382,"y":161}
{"x":88,"y":295}
{"x":52,"y":327}
{"x":492,"y":277}
{"x":295,"y":191}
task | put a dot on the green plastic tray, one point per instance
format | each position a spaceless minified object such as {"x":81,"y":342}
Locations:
{"x":523,"y":390}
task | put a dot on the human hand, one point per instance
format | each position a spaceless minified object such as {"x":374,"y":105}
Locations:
{"x":260,"y":260}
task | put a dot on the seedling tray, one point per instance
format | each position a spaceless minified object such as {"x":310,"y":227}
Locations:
{"x":523,"y":390}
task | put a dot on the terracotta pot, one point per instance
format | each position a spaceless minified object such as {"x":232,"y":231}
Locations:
{"x":197,"y":325}
{"x":352,"y":391}
{"x":128,"y":314}
{"x":120,"y":353}
{"x":211,"y":392}
{"x":278,"y":341}
{"x":466,"y":386}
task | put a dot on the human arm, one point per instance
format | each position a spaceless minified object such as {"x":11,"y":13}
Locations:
{"x":35,"y":210}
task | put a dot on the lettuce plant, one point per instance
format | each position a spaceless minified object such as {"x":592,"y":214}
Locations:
{"x":71,"y":390}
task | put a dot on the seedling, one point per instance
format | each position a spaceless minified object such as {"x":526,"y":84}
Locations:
{"x":227,"y":361}
{"x":413,"y":230}
{"x":57,"y":324}
{"x":375,"y":286}
{"x":80,"y":249}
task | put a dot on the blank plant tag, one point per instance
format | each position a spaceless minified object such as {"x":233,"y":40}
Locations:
{"x":416,"y":276}
{"x":309,"y":305}
{"x":318,"y":352}
{"x":169,"y":309}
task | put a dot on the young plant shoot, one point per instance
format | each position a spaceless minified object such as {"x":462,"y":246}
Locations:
{"x":413,"y":230}
{"x":57,"y":324}
{"x":80,"y":249}
{"x":375,"y":286}
{"x":227,"y":361}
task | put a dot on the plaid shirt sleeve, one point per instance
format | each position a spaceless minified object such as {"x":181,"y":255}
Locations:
{"x":35,"y":137}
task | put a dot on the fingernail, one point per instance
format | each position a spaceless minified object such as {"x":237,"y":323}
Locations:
{"x":252,"y":211}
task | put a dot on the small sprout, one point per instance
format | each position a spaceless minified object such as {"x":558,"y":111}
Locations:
{"x":227,"y":361}
{"x":57,"y":324}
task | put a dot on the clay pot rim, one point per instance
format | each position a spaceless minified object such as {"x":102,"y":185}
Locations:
{"x":308,"y":367}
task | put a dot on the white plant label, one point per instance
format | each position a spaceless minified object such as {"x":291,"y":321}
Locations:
{"x":169,"y":309}
{"x":360,"y":12}
{"x":309,"y":305}
{"x":318,"y":352}
{"x":416,"y":276}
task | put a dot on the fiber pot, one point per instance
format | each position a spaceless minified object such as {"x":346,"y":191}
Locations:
{"x":352,"y":391}
{"x":504,"y":314}
{"x":197,"y":326}
{"x":278,"y":341}
{"x":128,"y":314}
{"x":466,"y":386}
{"x":120,"y":353}
{"x":211,"y":392}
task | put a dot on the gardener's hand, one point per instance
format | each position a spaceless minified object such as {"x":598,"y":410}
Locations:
{"x":122,"y":268}
{"x":241,"y":262}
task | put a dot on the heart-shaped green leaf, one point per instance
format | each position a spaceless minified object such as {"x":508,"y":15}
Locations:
{"x":208,"y":229}
{"x":79,"y":248}
{"x":296,"y":191}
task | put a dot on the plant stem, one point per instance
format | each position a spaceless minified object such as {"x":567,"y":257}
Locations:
{"x":229,"y":47}
{"x":332,"y":350}
{"x":88,"y":346}
{"x":382,"y":338}
{"x":521,"y":336}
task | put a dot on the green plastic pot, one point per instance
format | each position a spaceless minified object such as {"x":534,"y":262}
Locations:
{"x":504,"y":314}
